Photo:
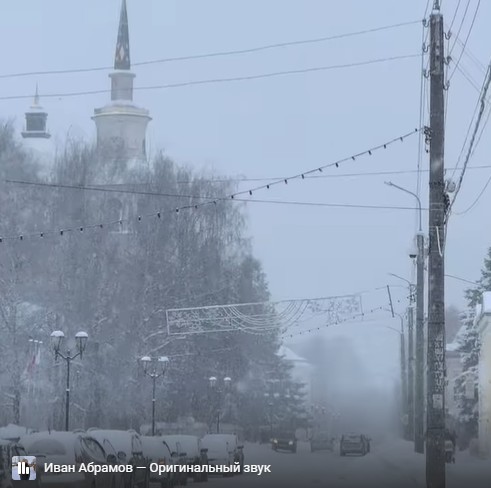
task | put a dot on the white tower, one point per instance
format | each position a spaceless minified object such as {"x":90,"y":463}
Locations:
{"x":121,"y":125}
{"x":37,"y":138}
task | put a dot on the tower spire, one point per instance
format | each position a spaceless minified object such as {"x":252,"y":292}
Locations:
{"x":36,"y":97}
{"x":122,"y":57}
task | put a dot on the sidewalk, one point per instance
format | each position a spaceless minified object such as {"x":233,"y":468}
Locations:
{"x":467,"y":470}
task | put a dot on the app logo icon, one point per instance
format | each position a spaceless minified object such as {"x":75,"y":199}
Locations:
{"x":23,"y":468}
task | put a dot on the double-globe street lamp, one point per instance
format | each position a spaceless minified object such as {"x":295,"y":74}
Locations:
{"x":154,"y":368}
{"x":57,"y":338}
{"x":218,"y":391}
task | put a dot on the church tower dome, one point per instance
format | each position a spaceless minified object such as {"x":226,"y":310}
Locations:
{"x":121,"y":125}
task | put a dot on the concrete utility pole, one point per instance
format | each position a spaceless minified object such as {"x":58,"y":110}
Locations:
{"x":410,"y":368}
{"x":419,"y":400}
{"x":435,"y":440}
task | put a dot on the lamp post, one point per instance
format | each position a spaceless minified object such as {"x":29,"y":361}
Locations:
{"x":411,"y":389}
{"x":57,"y":338}
{"x":218,"y":391}
{"x":154,"y":368}
{"x":419,"y":408}
{"x":269,"y":398}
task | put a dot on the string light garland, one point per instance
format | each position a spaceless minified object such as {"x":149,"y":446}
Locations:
{"x":338,"y":322}
{"x":214,"y":201}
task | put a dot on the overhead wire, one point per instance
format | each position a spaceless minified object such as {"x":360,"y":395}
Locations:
{"x":298,"y":176}
{"x":472,"y":146}
{"x":461,"y":25}
{"x":221,"y":198}
{"x":465,"y":41}
{"x":223,"y":80}
{"x":216,"y":54}
{"x":235,"y":180}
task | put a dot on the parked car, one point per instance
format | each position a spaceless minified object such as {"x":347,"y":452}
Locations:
{"x":156,"y":450}
{"x":237,"y":448}
{"x":321,"y":441}
{"x":128,"y":445}
{"x":354,"y":444}
{"x":8,"y":449}
{"x":284,"y":441}
{"x":179,"y":457}
{"x":223,"y":450}
{"x":68,"y":449}
{"x":196,"y":455}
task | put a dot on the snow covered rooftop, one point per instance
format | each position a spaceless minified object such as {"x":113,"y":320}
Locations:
{"x":289,"y":355}
{"x":459,"y":337}
{"x":486,"y":303}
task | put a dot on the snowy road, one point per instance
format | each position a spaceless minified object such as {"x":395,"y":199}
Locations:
{"x":388,"y":465}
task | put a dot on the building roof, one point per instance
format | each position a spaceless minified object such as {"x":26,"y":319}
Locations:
{"x":289,"y":355}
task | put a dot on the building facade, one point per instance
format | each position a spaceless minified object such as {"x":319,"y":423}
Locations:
{"x":483,"y":318}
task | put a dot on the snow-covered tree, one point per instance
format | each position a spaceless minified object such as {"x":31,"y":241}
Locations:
{"x":466,"y":387}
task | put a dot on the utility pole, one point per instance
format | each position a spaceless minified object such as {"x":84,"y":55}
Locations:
{"x":410,"y":366}
{"x":419,"y":400}
{"x":404,"y":412}
{"x":435,"y":435}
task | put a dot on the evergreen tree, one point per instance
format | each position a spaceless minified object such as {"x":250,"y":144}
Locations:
{"x":466,"y":389}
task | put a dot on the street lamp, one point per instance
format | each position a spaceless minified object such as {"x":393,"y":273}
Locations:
{"x":269,"y":397}
{"x":218,"y":391}
{"x":154,"y":368}
{"x":404,"y":374}
{"x":420,"y":333}
{"x":57,"y":338}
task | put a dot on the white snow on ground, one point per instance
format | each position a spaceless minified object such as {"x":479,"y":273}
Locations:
{"x":392,"y":464}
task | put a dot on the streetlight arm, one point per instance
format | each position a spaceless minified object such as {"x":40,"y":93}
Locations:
{"x":389,"y":183}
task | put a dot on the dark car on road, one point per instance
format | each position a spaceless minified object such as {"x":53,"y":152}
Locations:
{"x":284,"y":441}
{"x":354,"y":444}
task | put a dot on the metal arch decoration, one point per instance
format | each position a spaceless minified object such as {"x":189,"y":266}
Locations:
{"x":261,"y":317}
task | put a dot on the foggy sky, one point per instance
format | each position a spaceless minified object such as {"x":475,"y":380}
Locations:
{"x":278,"y":126}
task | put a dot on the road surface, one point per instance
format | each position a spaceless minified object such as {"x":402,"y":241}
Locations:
{"x":388,"y":465}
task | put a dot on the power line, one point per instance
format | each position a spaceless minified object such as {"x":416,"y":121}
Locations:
{"x":461,"y":279}
{"x":454,"y":15}
{"x":285,"y":181}
{"x":237,"y":180}
{"x":466,"y":39}
{"x":224,"y":198}
{"x":471,"y":147}
{"x":460,"y":26}
{"x":216,"y":54}
{"x":223,"y":80}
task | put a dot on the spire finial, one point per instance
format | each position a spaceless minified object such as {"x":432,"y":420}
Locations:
{"x":36,"y":96}
{"x":122,"y":58}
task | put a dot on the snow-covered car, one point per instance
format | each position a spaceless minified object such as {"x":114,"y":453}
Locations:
{"x":223,"y":449}
{"x":354,"y":444}
{"x":156,"y":450}
{"x":196,"y":455}
{"x":68,"y":449}
{"x":284,"y":441}
{"x":179,"y":457}
{"x":129,"y":447}
{"x":8,"y":449}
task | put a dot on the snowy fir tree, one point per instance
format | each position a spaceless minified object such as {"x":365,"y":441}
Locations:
{"x":466,"y":389}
